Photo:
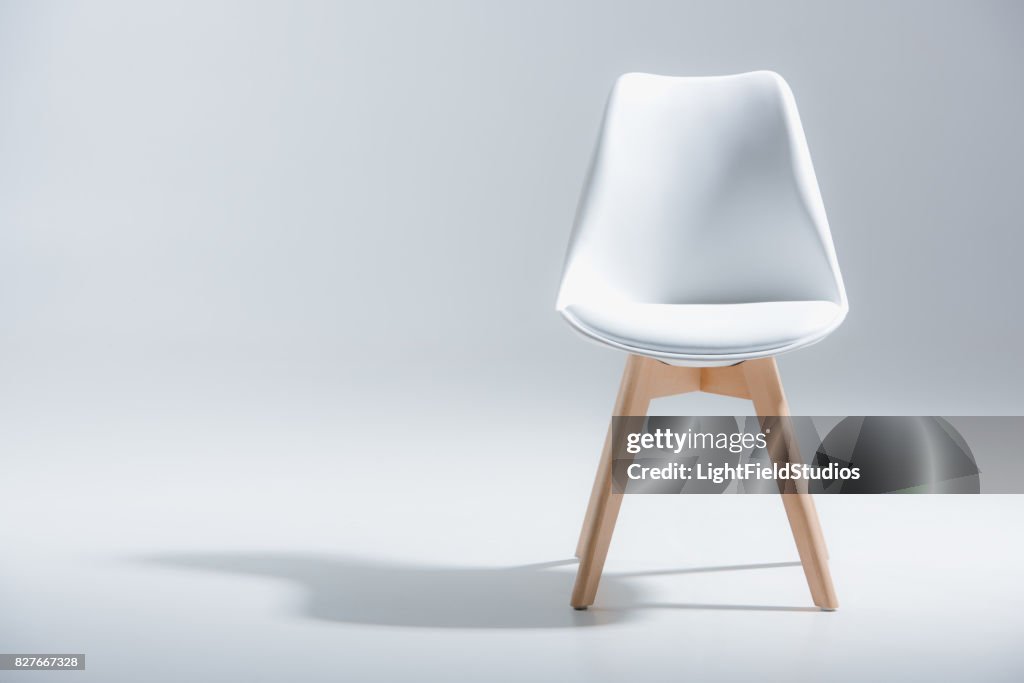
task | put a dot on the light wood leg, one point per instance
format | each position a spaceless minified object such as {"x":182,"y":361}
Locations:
{"x":633,"y":400}
{"x":816,"y":525}
{"x":645,"y":379}
{"x":765,"y":388}
{"x":595,"y":492}
{"x":659,"y":380}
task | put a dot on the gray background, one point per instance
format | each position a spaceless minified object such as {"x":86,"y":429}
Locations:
{"x":380,"y":193}
{"x":282,"y":389}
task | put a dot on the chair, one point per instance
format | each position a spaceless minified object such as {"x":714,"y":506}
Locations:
{"x":701,"y":248}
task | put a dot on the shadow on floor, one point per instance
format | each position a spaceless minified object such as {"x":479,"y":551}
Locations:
{"x":357,"y":591}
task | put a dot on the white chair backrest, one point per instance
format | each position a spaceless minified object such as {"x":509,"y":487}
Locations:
{"x":701,"y":191}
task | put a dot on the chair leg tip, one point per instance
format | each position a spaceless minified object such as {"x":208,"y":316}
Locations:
{"x":828,"y":609}
{"x":580,"y":609}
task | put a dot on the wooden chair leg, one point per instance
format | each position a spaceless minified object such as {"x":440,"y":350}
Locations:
{"x":634,"y":399}
{"x":645,"y":379}
{"x":660,"y":380}
{"x":765,"y":388}
{"x":816,"y":525}
{"x":595,"y":492}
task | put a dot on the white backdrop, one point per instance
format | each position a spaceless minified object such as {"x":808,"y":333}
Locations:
{"x":367,"y":194}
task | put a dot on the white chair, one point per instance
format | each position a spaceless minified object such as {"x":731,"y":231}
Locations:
{"x":701,"y":248}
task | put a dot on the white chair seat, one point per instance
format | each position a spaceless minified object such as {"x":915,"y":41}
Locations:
{"x":701,"y":237}
{"x":707,"y":333}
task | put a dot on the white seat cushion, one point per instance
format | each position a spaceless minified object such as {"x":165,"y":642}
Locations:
{"x":707,"y":331}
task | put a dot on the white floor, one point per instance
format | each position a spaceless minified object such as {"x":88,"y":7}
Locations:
{"x":239,"y":543}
